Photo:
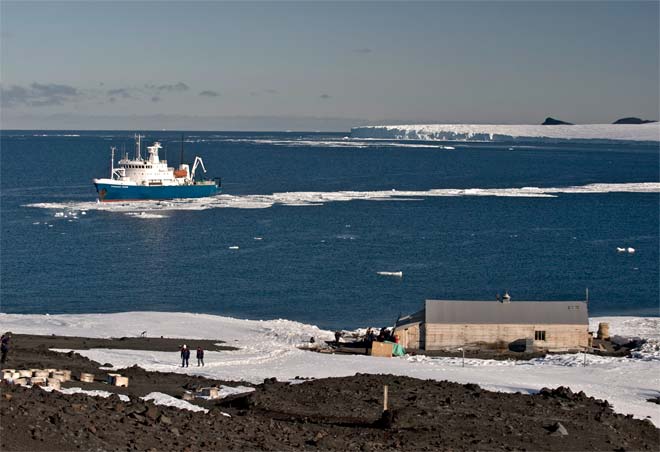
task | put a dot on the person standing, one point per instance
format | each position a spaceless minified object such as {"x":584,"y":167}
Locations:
{"x":200,"y":356}
{"x":185,"y":355}
{"x":4,"y":346}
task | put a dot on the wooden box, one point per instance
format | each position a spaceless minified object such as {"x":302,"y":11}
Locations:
{"x":381,"y":349}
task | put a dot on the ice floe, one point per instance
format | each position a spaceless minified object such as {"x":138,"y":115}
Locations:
{"x":312,"y":198}
{"x":398,"y":274}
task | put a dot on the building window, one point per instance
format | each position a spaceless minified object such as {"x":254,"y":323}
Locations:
{"x":539,"y":335}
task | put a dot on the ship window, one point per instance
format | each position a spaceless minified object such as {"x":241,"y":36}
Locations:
{"x":539,"y":335}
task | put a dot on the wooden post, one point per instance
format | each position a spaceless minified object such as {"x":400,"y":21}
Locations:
{"x":385,"y":398}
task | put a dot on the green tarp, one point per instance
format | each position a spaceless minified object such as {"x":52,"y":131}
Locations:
{"x":397,"y":349}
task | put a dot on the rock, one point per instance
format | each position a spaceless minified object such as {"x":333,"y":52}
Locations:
{"x":555,"y":122}
{"x":9,"y":396}
{"x":152,"y":412}
{"x":558,"y":429}
{"x":632,"y":120}
{"x":164,"y":420}
{"x":138,"y":417}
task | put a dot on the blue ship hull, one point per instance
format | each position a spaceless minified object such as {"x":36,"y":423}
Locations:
{"x":118,"y":192}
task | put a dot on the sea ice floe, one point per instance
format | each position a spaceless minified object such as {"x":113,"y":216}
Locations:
{"x":398,"y":274}
{"x":307,"y":199}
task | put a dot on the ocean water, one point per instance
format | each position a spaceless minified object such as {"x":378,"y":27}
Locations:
{"x":314,"y":218}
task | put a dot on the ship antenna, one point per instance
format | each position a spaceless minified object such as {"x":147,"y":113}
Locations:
{"x":181,"y":162}
{"x":138,"y":150}
{"x":112,"y":162}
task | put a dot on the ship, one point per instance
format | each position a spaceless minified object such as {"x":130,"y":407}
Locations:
{"x":150,"y":178}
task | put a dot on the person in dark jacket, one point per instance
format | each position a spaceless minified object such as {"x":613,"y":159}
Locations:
{"x":200,"y":356}
{"x":185,"y":355}
{"x":4,"y":346}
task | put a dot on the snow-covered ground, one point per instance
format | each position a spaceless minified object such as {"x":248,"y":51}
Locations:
{"x":269,"y":349}
{"x":504,"y":132}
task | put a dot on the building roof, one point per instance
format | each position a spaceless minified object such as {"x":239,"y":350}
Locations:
{"x":410,"y":320}
{"x":515,"y":312}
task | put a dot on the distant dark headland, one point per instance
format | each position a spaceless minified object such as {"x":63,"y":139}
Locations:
{"x":555,"y":122}
{"x":550,"y":121}
{"x":632,"y":120}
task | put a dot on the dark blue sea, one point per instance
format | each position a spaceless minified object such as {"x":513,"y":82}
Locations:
{"x":317,"y":261}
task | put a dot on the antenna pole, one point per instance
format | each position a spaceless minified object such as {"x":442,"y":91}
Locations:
{"x":181,"y":159}
{"x":138,"y":149}
{"x":112,"y":162}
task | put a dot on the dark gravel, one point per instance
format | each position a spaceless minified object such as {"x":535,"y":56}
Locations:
{"x":326,"y":414}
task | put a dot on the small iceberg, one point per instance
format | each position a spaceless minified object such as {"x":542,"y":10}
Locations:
{"x":258,"y":238}
{"x":59,"y":215}
{"x":620,"y":250}
{"x":631,"y":250}
{"x":397,"y":274}
{"x":233,"y":247}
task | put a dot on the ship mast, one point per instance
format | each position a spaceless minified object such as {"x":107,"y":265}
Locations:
{"x":112,"y":162}
{"x":138,"y":151}
{"x":181,"y":159}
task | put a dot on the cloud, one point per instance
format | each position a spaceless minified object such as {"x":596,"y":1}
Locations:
{"x":363,"y":50}
{"x":120,"y":92}
{"x":170,"y":88}
{"x":38,"y":95}
{"x":325,"y":96}
{"x":209,"y":93}
{"x":264,"y":91}
{"x":155,"y":99}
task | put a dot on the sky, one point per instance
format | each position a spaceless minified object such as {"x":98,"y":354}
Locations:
{"x":318,"y":65}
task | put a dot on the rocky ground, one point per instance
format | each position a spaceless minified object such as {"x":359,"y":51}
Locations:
{"x":329,"y":414}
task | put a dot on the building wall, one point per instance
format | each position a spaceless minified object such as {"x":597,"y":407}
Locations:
{"x":501,"y":336}
{"x":409,"y":336}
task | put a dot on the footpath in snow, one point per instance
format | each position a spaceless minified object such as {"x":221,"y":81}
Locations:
{"x":270,"y":349}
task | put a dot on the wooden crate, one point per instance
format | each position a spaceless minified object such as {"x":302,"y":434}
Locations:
{"x":211,"y":393}
{"x":121,"y":381}
{"x":381,"y":349}
{"x":54,"y":383}
{"x":86,"y":378}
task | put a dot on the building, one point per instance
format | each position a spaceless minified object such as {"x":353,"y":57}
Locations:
{"x":496,"y":325}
